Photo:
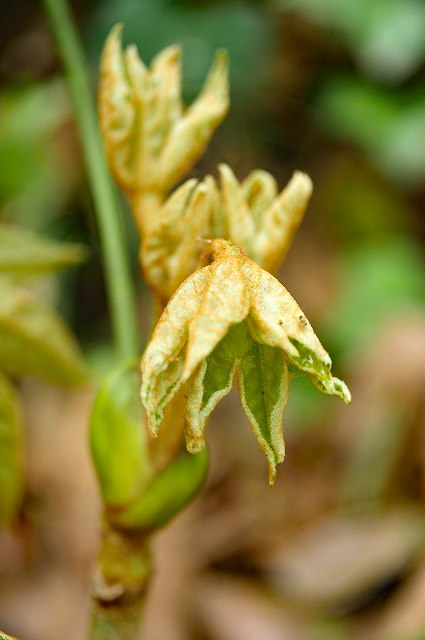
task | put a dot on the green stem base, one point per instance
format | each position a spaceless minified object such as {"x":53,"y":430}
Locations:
{"x":119,"y":621}
{"x":120,"y":585}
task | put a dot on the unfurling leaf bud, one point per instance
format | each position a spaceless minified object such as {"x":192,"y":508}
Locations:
{"x":253,"y":215}
{"x":170,"y":253}
{"x":232,"y":319}
{"x":151,"y":140}
{"x":118,"y":438}
{"x":139,"y":491}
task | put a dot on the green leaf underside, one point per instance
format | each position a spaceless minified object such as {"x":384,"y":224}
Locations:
{"x":319,"y":372}
{"x":11,"y":464}
{"x":23,"y":252}
{"x":263,"y":385}
{"x":263,"y":380}
{"x":35,"y":341}
{"x":212,"y":382}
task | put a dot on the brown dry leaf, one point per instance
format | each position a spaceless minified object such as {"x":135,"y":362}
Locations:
{"x":404,"y":616}
{"x":231,"y":609}
{"x":338,"y":559}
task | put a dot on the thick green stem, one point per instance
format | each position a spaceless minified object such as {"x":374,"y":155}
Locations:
{"x":120,"y":585}
{"x":117,"y":273}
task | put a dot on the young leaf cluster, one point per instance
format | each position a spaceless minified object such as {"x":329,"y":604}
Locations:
{"x":151,"y":140}
{"x":252,"y":214}
{"x":225,"y":318}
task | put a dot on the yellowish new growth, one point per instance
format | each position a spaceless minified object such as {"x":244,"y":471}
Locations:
{"x":151,"y":140}
{"x":252,"y":214}
{"x":151,"y":143}
{"x":256,"y":217}
{"x":230,"y":290}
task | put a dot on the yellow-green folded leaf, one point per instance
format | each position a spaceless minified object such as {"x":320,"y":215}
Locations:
{"x":11,"y":455}
{"x":281,"y":220}
{"x":191,"y":134}
{"x":25,"y":253}
{"x":225,"y":302}
{"x":255,"y":217}
{"x":262,"y":375}
{"x":259,"y":190}
{"x":118,"y":437}
{"x":151,"y":141}
{"x":162,"y":362}
{"x":34,"y":341}
{"x":171,"y":252}
{"x":117,"y":112}
{"x":276,"y":319}
{"x":240,"y":224}
{"x":4,"y":636}
{"x":211,"y":382}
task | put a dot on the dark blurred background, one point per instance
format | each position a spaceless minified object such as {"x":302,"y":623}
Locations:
{"x":336,"y":549}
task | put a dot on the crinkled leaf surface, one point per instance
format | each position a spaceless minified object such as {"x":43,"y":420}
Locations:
{"x":162,"y":362}
{"x":23,"y":252}
{"x":190,"y":135}
{"x":319,"y":371}
{"x":34,"y":340}
{"x":254,"y":216}
{"x":233,"y":317}
{"x":225,"y":302}
{"x":11,"y":463}
{"x":171,"y":252}
{"x":276,"y":319}
{"x":150,"y":140}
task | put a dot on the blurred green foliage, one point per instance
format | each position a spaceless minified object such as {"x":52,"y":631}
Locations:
{"x":32,"y":188}
{"x":386,"y":37}
{"x":34,"y":341}
{"x":356,"y":204}
{"x":25,"y":253}
{"x":386,"y":124}
{"x":379,"y":282}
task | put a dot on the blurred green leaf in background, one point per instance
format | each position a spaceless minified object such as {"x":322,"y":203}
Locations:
{"x":386,"y":124}
{"x":386,"y":37}
{"x":38,"y":172}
